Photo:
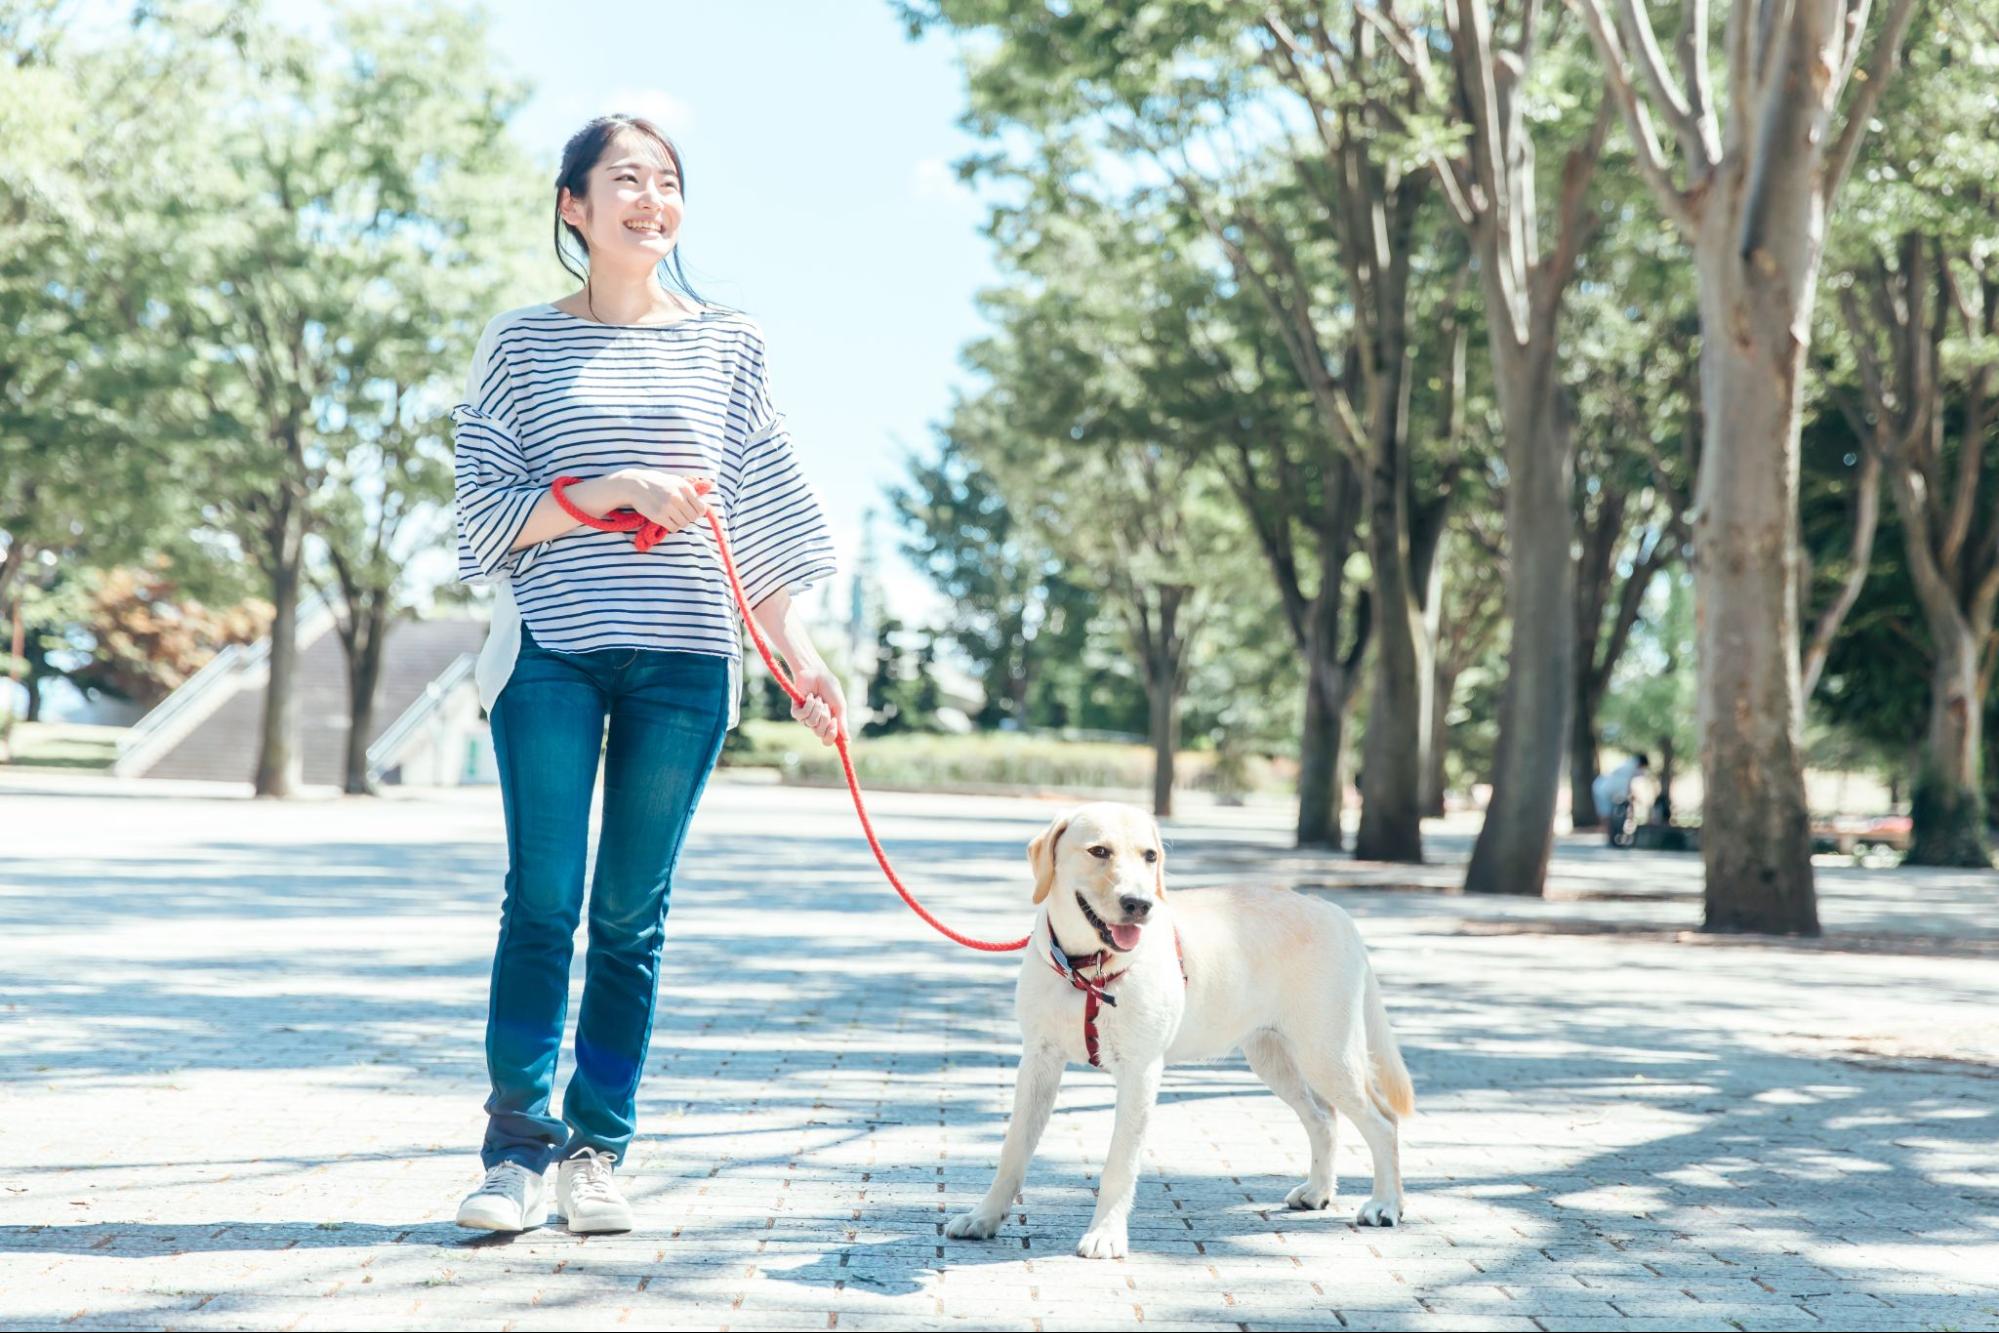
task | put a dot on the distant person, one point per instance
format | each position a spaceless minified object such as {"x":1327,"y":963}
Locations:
{"x":1614,"y":788}
{"x":662,"y":405}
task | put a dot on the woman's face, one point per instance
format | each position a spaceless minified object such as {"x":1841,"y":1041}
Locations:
{"x":631,"y":211}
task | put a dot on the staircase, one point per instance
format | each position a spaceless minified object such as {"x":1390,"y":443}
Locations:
{"x":222,"y":746}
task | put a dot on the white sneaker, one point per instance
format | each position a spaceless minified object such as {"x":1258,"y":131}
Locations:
{"x":587,"y":1196}
{"x":510,"y":1198}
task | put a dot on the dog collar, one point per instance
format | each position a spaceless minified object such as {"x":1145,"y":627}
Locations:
{"x":1094,"y":994}
{"x":1071,"y":969}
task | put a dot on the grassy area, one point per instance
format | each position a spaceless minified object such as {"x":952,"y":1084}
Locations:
{"x":64,"y":745}
{"x":986,"y":759}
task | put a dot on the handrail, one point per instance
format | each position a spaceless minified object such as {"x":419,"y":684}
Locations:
{"x":202,"y":693}
{"x":183,"y":696}
{"x":387,"y":749}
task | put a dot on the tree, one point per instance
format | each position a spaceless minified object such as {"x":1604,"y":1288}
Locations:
{"x":1761,"y":173}
{"x":1321,"y":229}
{"x":441,"y":163}
{"x":1470,"y":612}
{"x":1527,"y":258}
{"x":349,"y":252}
{"x":1631,"y":364}
{"x":998,"y":581}
{"x":1900,"y":311}
{"x":147,"y":633}
{"x":1079,"y":424}
{"x":86,"y":457}
{"x":1919,"y":304}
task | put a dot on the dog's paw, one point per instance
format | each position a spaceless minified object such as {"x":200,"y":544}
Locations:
{"x":1105,"y":1242}
{"x":1379,"y":1213}
{"x":1309,"y":1197}
{"x":973,"y":1226}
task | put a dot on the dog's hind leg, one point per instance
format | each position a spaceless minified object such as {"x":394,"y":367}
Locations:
{"x":1034,"y":1088}
{"x":1343,"y":1082}
{"x":1271,"y":1058}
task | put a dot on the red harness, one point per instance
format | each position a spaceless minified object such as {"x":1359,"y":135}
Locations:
{"x":1094,"y":994}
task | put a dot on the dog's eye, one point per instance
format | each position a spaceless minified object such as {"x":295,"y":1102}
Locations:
{"x":1100,"y":852}
{"x":1151,"y":855}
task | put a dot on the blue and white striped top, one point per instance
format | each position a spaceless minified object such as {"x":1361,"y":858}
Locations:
{"x":552,"y":394}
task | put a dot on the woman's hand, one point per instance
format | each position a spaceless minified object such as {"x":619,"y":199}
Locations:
{"x":667,"y":498}
{"x":825,"y":707}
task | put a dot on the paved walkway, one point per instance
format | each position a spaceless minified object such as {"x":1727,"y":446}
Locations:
{"x":240,"y":1079}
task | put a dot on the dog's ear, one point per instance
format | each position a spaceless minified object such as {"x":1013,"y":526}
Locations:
{"x":1041,"y":856}
{"x":1159,"y":866}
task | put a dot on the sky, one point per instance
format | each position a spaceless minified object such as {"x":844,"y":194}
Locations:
{"x":817,"y":140}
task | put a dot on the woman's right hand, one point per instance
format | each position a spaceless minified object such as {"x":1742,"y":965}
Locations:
{"x":667,"y":498}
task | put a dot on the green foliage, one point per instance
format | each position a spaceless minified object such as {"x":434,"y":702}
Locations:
{"x":903,"y":694}
{"x":260,"y":328}
{"x":1011,"y":612}
{"x":1651,"y":695}
{"x":990,"y":760}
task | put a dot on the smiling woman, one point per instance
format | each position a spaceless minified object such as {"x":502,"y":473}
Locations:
{"x":661,"y":405}
{"x":620,"y":200}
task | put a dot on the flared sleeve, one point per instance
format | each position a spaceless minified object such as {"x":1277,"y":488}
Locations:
{"x":496,"y":489}
{"x":777,"y":524}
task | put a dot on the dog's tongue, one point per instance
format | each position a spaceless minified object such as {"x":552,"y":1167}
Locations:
{"x":1125,"y":936}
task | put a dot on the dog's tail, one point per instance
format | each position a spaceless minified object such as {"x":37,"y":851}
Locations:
{"x":1390,"y":1086}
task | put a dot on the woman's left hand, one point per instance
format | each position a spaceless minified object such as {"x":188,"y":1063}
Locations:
{"x":825,"y":706}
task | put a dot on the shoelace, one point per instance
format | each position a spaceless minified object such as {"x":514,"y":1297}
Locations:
{"x":594,"y":1176}
{"x":506,"y":1178}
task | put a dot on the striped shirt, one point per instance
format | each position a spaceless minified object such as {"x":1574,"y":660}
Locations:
{"x":552,"y":394}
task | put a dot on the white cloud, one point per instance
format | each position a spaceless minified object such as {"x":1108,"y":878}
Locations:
{"x":670,"y":113}
{"x":933,"y":179}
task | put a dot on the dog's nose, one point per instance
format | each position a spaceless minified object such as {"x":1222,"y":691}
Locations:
{"x":1135,"y":907}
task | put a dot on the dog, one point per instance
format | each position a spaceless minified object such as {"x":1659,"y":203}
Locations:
{"x":1118,"y":974}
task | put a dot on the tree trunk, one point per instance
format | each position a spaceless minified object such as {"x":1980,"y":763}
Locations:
{"x":1164,"y":705}
{"x":1162,"y":644}
{"x":279,"y":764}
{"x":1518,"y":835}
{"x":1595,"y":562}
{"x":1665,"y":806}
{"x":1329,"y":678}
{"x":1391,"y":811}
{"x":1583,"y":764}
{"x":1426,"y":544}
{"x":1391,"y":821}
{"x":1949,"y":808}
{"x":1444,"y":684}
{"x":1755,"y":829}
{"x":364,"y":675}
{"x":11,"y":564}
{"x":38,"y":672}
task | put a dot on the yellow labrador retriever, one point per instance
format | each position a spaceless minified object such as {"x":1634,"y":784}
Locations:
{"x":1119,"y":975}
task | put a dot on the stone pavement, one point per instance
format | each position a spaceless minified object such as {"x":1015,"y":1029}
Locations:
{"x":241,"y":1073}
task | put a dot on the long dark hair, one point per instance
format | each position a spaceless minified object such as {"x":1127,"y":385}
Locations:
{"x":583,"y":151}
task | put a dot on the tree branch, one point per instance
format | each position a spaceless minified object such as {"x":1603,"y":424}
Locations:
{"x":1860,"y":554}
{"x":1873,"y":82}
{"x":1635,"y":24}
{"x":1681,"y":207}
{"x":1700,"y":88}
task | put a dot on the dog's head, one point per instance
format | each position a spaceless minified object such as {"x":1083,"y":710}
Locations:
{"x":1102,"y":870}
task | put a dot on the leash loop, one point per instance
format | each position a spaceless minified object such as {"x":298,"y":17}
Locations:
{"x":645,"y":535}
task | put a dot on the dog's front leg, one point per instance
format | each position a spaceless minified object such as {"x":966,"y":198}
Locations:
{"x":1033,"y":1098}
{"x":1137,"y":1090}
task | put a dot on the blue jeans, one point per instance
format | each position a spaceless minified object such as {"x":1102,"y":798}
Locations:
{"x":668,"y":713}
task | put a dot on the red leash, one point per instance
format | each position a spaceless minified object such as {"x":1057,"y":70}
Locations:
{"x":645,"y":535}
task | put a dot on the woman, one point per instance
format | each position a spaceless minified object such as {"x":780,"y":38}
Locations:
{"x":660,"y":404}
